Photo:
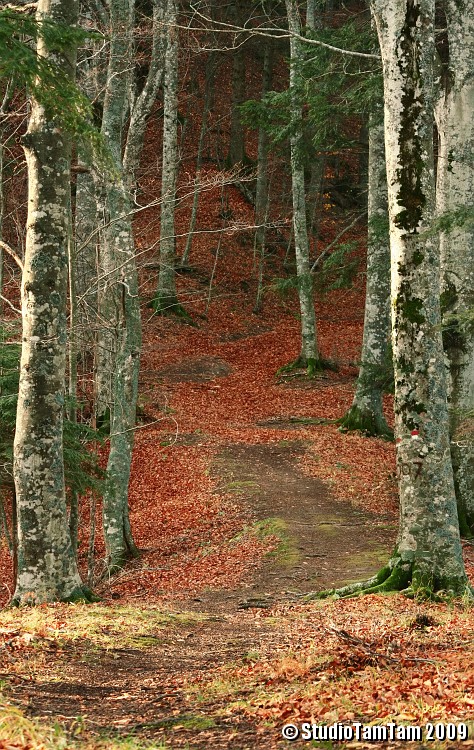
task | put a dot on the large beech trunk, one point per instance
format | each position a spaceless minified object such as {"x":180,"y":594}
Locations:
{"x":456,"y":191}
{"x":47,"y":569}
{"x":428,"y":555}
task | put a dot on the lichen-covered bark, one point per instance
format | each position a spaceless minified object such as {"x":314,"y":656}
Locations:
{"x":366,"y":412}
{"x":108,"y":195}
{"x":143,"y":103}
{"x":309,"y":344}
{"x":47,"y":569}
{"x":166,"y":299}
{"x":428,"y":545}
{"x":455,"y":190}
{"x":119,"y":307}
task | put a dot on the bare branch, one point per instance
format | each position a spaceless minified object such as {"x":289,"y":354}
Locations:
{"x":13,"y":254}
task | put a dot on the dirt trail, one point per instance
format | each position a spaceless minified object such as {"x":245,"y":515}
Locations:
{"x":324,"y":544}
{"x":154,"y":692}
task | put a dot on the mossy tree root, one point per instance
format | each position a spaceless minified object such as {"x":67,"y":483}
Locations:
{"x":365,"y":421}
{"x":170,"y":306}
{"x":410,"y":578}
{"x":313,"y":366}
{"x":81,"y":594}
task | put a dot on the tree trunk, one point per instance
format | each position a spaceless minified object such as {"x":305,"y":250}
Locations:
{"x":261,"y":192}
{"x":144,"y":102}
{"x":166,"y":298}
{"x":208,"y":95}
{"x":47,"y":568}
{"x":456,"y":191}
{"x":120,"y":308}
{"x":309,"y":357}
{"x":428,"y":556}
{"x":109,"y":207}
{"x":236,"y":154}
{"x":366,"y":412}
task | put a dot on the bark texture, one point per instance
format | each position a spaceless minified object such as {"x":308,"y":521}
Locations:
{"x":47,"y":569}
{"x":166,"y":299}
{"x":366,"y":412}
{"x":429,"y":553}
{"x":456,"y":191}
{"x":309,"y":357}
{"x":119,"y":302}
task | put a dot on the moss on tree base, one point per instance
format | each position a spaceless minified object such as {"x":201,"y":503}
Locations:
{"x":31,"y":599}
{"x":313,"y":366}
{"x":367,"y":422}
{"x":411,"y":578}
{"x":170,"y":306}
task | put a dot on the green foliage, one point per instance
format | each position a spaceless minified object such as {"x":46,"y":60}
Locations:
{"x":330,"y":87}
{"x":51,"y":87}
{"x":338,"y":270}
{"x":81,"y":467}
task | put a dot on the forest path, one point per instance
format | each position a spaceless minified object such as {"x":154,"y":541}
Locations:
{"x":174,"y":690}
{"x":322,"y":543}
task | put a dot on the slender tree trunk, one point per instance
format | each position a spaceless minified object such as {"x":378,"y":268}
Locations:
{"x":309,"y":357}
{"x":208,"y":93}
{"x":144,"y":102}
{"x":47,"y":569}
{"x":120,"y":308}
{"x":261,"y":192}
{"x":366,"y":412}
{"x":109,"y":206}
{"x":166,"y":298}
{"x":236,"y":153}
{"x":456,"y":191}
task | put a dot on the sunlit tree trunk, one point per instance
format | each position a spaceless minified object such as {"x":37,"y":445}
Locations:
{"x":366,"y":412}
{"x":309,"y":357}
{"x":428,"y":554}
{"x":456,"y":191}
{"x":47,"y":568}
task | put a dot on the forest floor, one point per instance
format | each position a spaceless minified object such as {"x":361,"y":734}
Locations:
{"x":244,"y":496}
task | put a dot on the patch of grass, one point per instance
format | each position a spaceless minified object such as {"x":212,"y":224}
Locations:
{"x":101,"y":625}
{"x":16,"y":728}
{"x":367,"y":558}
{"x":286,"y":553}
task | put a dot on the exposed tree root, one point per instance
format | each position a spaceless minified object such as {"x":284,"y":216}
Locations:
{"x":366,"y":421}
{"x":171,"y":307}
{"x":313,"y":366}
{"x":412,"y":579}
